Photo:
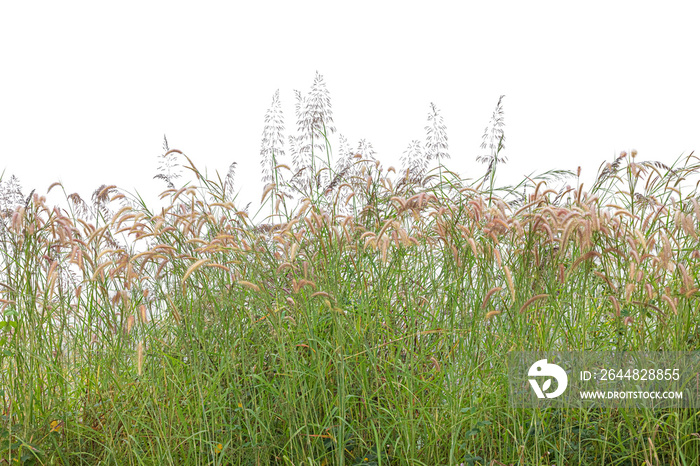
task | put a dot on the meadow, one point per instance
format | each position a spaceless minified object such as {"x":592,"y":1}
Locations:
{"x":365,"y":320}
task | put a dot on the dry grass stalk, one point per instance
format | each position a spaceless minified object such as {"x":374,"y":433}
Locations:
{"x":562,"y":274}
{"x":584,"y":257}
{"x":607,"y":281}
{"x":671,"y":302}
{"x":490,"y":293}
{"x":532,"y":300}
{"x":384,"y":248}
{"x":143,"y":317}
{"x":509,"y":279}
{"x":497,"y":253}
{"x":629,"y":289}
{"x":570,"y":227}
{"x":666,"y":252}
{"x":650,"y":290}
{"x":130,"y":323}
{"x":284,"y":266}
{"x":140,"y":356}
{"x":587,"y":234}
{"x":455,"y":254}
{"x":616,"y":305}
{"x":386,"y":226}
{"x":76,"y":257}
{"x":296,"y":286}
{"x":173,"y":309}
{"x":548,"y":230}
{"x":293,"y":252}
{"x":191,"y":269}
{"x":267,"y":191}
{"x":688,"y":226}
{"x":518,"y":228}
{"x":472,"y":243}
{"x":99,"y":271}
{"x":696,"y":208}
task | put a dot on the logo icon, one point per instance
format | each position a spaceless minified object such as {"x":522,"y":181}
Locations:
{"x":542,"y":368}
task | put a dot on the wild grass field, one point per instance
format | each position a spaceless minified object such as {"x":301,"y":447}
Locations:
{"x":362,"y":317}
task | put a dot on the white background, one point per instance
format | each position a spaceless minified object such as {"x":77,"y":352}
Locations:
{"x":87,"y":89}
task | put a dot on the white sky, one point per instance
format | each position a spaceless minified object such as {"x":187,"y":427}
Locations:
{"x":88,"y":90}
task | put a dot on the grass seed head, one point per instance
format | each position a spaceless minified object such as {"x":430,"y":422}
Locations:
{"x":139,"y":358}
{"x":142,"y":314}
{"x":509,"y":279}
{"x":249,"y":285}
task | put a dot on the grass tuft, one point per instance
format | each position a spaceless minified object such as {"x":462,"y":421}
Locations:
{"x":364,"y":321}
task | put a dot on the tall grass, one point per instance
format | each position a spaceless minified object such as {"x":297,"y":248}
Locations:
{"x":366,"y":321}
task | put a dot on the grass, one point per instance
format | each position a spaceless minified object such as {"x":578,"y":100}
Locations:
{"x":366,"y":321}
